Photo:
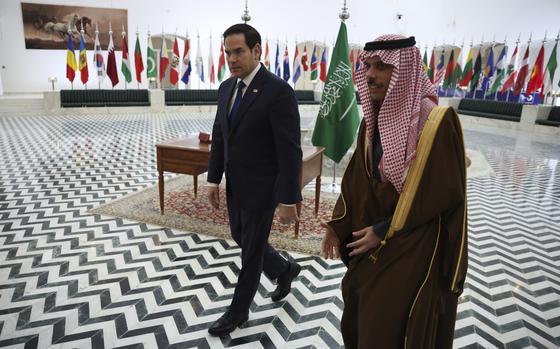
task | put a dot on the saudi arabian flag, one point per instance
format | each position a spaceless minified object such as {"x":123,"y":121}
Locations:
{"x":338,"y":117}
{"x":151,"y":72}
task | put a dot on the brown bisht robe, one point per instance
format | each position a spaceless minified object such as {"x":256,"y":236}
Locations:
{"x":404,"y":294}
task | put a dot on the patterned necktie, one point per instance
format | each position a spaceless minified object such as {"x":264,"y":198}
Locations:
{"x":237,"y":101}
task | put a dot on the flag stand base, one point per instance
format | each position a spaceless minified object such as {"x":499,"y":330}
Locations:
{"x":330,"y":188}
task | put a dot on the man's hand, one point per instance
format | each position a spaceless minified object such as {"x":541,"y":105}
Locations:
{"x":330,"y":244}
{"x":366,"y":239}
{"x":214,"y":196}
{"x":287,"y":214}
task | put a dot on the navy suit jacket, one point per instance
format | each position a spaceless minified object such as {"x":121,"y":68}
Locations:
{"x":260,"y":152}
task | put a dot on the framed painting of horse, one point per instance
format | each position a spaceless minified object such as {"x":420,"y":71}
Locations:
{"x":48,"y":26}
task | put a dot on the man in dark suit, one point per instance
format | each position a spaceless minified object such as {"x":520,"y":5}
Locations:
{"x":256,"y":143}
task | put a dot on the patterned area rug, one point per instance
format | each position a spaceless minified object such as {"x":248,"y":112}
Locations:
{"x":185,"y":212}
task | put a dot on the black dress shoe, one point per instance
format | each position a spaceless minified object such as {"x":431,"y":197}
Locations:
{"x":227,"y":323}
{"x":284,"y":282}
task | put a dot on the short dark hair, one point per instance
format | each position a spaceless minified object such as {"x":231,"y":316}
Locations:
{"x":252,"y":36}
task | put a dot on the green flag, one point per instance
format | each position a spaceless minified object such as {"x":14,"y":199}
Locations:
{"x":549,"y":73}
{"x":338,"y":117}
{"x":456,"y":74}
{"x":499,"y":76}
{"x":466,"y":76}
{"x":152,"y":62}
{"x":430,"y":71}
{"x":449,"y":71}
{"x":476,"y":71}
{"x":425,"y":60}
{"x":125,"y":65}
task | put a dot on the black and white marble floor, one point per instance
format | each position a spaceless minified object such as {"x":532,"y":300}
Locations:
{"x":69,"y":279}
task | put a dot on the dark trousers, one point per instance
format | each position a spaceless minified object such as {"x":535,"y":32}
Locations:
{"x":250,"y":230}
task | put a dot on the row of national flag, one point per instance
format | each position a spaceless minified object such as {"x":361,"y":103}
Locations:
{"x":110,"y":69}
{"x":170,"y":62}
{"x":496,"y":77}
{"x":338,"y":117}
{"x":317,"y":66}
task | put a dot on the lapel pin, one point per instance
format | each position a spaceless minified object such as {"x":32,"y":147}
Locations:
{"x":255,"y":91}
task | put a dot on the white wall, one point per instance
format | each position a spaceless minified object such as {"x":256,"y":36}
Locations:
{"x":431,"y":21}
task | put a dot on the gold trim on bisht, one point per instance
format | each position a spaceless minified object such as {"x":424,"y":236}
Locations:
{"x":414,"y":175}
{"x":425,"y":279}
{"x":464,"y":230}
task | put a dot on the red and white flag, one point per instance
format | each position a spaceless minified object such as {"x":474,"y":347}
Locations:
{"x":174,"y":71}
{"x":523,"y":72}
{"x":512,"y":73}
{"x":266,"y":58}
{"x":304,"y":59}
{"x":112,"y":61}
{"x":211,"y":69}
{"x":163,"y":58}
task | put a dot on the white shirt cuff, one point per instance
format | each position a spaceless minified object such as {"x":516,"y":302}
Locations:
{"x":288,"y":205}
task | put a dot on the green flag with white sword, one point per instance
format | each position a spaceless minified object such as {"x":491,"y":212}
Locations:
{"x":338,"y":119}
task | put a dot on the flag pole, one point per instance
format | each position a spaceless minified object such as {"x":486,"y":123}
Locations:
{"x":147,"y":60}
{"x":137,"y":82}
{"x":333,"y":187}
{"x":197,"y":51}
{"x":111,"y":38}
{"x":178,"y":66}
{"x":552,"y":82}
{"x":505,"y":57}
{"x":455,"y":77}
{"x":161,"y":74}
{"x":82,"y":39}
{"x":524,"y":87}
{"x":484,"y":86}
{"x":472,"y":77}
{"x":187,"y":40}
{"x":516,"y":46}
{"x":123,"y":33}
{"x":304,"y":71}
{"x":94,"y":53}
{"x":544,"y":71}
{"x":466,"y":87}
{"x":245,"y":17}
{"x":68,"y":48}
{"x":478,"y":53}
{"x":210,"y":67}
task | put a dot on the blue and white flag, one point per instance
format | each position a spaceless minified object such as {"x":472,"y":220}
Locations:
{"x":186,"y":61}
{"x":199,"y":64}
{"x":286,"y":64}
{"x":98,"y":58}
{"x":277,"y":62}
{"x":296,"y":66}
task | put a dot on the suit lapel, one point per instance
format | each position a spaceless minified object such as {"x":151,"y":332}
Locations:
{"x":252,"y":92}
{"x":229,"y":86}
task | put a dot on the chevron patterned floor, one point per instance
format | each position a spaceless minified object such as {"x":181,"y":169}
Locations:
{"x":69,"y":279}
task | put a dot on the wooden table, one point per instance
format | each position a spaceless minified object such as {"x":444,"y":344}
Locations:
{"x":182,"y":155}
{"x":311,"y":167}
{"x":187,"y":155}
